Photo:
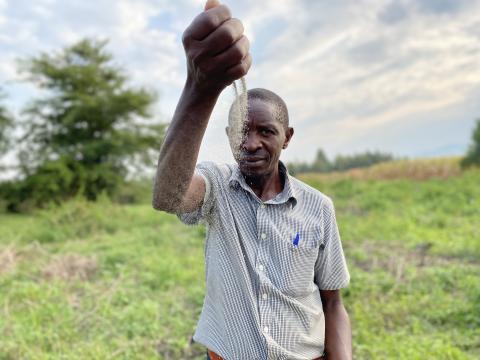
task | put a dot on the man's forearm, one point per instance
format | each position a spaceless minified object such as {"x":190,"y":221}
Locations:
{"x":338,"y":333}
{"x":217,"y":54}
{"x":179,"y":151}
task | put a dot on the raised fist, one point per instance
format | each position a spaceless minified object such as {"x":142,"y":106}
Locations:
{"x":216,"y":49}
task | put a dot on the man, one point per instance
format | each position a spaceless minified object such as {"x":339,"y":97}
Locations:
{"x":274,"y":261}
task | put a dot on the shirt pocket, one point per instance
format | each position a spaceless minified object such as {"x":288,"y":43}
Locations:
{"x":295,"y":262}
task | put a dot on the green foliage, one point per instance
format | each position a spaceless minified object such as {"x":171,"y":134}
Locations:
{"x":345,"y":162}
{"x":412,"y":249}
{"x":6,"y":124}
{"x":473,"y":155}
{"x":85,"y":135}
{"x":322,"y":164}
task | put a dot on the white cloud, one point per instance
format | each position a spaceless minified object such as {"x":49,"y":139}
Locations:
{"x":346,"y":68}
{"x":366,"y":74}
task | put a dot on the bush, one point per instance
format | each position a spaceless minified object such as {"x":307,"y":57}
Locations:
{"x":76,"y":219}
{"x":473,"y":155}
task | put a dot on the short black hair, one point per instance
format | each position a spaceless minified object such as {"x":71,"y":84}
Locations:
{"x":281,"y":111}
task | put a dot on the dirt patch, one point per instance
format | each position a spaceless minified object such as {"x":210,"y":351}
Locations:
{"x":70,"y":267}
{"x":8,"y":260}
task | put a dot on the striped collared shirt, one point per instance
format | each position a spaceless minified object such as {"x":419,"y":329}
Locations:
{"x":265,"y":263}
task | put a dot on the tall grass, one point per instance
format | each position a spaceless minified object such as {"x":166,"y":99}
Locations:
{"x":417,"y":169}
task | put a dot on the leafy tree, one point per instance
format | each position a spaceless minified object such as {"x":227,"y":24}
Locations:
{"x":321,"y":162}
{"x":473,"y":155}
{"x":85,"y":135}
{"x":5,"y":127}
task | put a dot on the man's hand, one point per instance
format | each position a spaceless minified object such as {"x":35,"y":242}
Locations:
{"x":216,"y":49}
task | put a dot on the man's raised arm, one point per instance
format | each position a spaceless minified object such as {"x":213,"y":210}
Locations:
{"x":217,"y":54}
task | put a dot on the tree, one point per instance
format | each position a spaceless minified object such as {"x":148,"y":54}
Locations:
{"x":5,"y":127}
{"x":473,"y":155}
{"x":321,"y":162}
{"x":91,"y":128}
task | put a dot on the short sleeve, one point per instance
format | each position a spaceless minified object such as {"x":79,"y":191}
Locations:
{"x":331,"y":272}
{"x":203,"y":213}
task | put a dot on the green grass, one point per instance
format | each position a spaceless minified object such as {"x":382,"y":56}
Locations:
{"x":106,"y":281}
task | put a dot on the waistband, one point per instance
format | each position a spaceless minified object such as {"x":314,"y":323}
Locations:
{"x":213,"y":356}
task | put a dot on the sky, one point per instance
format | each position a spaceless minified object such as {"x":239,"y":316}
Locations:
{"x":401,"y":76}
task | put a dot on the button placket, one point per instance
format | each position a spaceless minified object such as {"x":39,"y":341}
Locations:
{"x":262,"y":259}
{"x":261,"y":249}
{"x":264,"y":310}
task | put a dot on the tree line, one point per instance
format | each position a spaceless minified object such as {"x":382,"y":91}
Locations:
{"x":340,"y":163}
{"x":322,"y":164}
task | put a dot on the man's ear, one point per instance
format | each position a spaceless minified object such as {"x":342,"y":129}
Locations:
{"x":288,"y":136}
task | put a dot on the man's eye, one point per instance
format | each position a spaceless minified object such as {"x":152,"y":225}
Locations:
{"x":266,"y":132}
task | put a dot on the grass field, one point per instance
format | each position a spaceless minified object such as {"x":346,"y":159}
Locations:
{"x":106,"y":281}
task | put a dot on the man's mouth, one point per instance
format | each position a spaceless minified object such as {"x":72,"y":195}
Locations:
{"x":252,"y":160}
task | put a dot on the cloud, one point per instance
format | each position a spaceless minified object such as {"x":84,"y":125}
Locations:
{"x":347,"y":69}
{"x":369,"y":52}
{"x":442,"y":6}
{"x":365,"y":75}
{"x":393,"y":13}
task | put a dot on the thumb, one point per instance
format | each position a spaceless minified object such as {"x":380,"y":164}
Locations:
{"x":211,"y":4}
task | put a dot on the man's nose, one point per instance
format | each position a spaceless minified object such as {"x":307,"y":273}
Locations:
{"x":251,"y":142}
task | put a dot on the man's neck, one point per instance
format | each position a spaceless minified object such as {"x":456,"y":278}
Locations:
{"x":268,"y":186}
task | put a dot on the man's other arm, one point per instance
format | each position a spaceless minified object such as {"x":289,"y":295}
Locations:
{"x":217,"y":54}
{"x":338,"y":332}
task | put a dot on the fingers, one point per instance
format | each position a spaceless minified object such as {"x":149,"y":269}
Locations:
{"x":211,"y":4}
{"x":217,"y":51}
{"x":207,"y":22}
{"x":237,"y":71}
{"x":230,"y":65}
{"x":224,"y":36}
{"x":234,"y":54}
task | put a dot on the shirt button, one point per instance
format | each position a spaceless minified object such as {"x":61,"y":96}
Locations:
{"x":265,"y":329}
{"x":260,"y":267}
{"x":264,"y":296}
{"x":264,"y":236}
{"x":263,"y":206}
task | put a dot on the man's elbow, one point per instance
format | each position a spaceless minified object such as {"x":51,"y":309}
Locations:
{"x":163,"y":199}
{"x":162,"y":204}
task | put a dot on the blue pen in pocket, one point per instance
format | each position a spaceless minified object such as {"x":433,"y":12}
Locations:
{"x":295,"y":241}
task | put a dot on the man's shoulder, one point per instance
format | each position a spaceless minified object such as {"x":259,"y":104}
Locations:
{"x":220,"y":171}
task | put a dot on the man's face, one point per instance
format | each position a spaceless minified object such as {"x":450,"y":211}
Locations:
{"x":265,"y":138}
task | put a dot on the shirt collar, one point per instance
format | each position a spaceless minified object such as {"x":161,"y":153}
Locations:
{"x":288,"y":193}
